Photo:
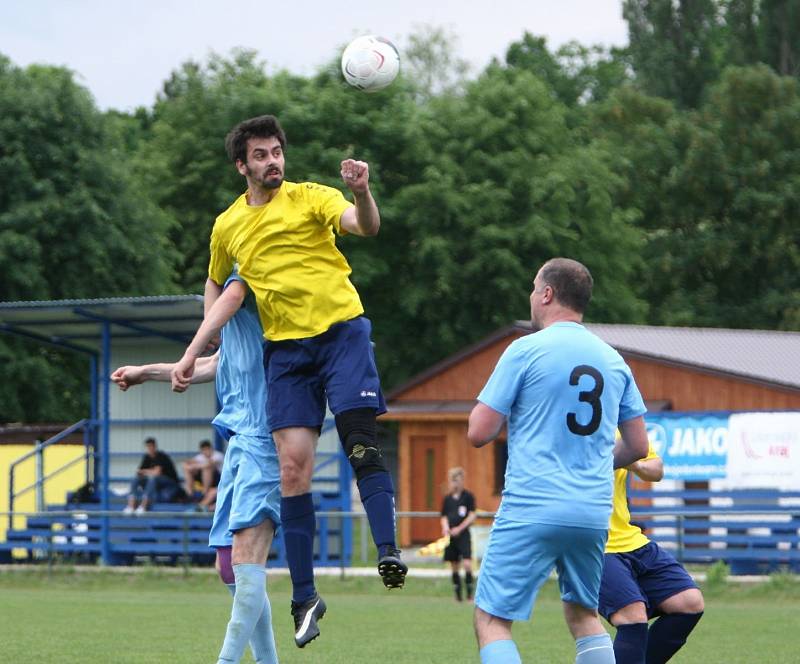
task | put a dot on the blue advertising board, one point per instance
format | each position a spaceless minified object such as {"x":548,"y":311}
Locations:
{"x":693,"y":446}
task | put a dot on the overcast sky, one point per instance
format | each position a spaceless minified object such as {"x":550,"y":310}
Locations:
{"x":123,"y":50}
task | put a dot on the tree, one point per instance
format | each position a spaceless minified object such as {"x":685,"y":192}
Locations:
{"x":431,"y":62}
{"x":675,"y":47}
{"x":72,"y":223}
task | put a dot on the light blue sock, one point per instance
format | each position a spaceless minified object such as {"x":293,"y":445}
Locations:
{"x":262,"y":641}
{"x":248,"y":604}
{"x":500,"y":652}
{"x":595,"y":649}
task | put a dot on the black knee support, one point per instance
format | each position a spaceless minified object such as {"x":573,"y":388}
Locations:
{"x":356,"y":429}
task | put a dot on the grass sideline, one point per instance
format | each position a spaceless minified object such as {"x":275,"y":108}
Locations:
{"x":154,"y":616}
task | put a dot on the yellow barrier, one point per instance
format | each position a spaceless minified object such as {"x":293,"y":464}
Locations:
{"x":56,"y":488}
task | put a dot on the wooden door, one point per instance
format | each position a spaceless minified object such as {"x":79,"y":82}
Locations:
{"x":427,"y":478}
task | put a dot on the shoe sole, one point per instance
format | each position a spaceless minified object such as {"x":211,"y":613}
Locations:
{"x":393,"y":573}
{"x":310,"y":636}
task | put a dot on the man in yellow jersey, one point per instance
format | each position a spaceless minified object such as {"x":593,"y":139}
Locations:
{"x":282,"y":236}
{"x":641,"y":581}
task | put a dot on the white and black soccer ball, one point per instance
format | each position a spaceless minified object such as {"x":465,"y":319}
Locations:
{"x":370,"y":63}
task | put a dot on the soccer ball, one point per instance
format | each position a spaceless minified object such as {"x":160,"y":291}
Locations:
{"x":370,"y":63}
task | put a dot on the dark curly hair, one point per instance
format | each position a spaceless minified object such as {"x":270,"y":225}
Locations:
{"x":263,"y":126}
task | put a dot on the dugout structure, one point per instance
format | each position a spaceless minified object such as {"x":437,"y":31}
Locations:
{"x":112,"y":332}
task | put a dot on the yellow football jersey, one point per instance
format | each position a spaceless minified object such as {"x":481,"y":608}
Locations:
{"x":623,"y":536}
{"x":286,"y":252}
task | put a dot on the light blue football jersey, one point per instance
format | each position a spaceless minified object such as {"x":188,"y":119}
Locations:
{"x":241,"y":387}
{"x":563,"y":391}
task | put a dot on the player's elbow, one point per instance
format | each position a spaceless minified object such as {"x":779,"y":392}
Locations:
{"x":478,"y":434}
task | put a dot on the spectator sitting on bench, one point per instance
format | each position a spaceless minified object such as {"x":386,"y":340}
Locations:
{"x":204,"y":467}
{"x":156,"y":480}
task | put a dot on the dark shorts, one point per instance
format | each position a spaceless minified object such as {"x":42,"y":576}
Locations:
{"x":338,"y":364}
{"x":648,"y":574}
{"x":197,"y":476}
{"x":459,"y":548}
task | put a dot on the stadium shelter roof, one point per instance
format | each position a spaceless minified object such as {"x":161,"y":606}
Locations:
{"x":79,"y":324}
{"x":766,"y":357}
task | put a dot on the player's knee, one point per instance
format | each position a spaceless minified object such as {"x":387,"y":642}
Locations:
{"x":294,"y":475}
{"x":357,"y":431}
{"x":692,"y":602}
{"x":630,"y":614}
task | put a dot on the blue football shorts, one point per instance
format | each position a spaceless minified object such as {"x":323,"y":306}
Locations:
{"x":648,"y":574}
{"x":249,"y":490}
{"x":520,"y":556}
{"x":338,"y":364}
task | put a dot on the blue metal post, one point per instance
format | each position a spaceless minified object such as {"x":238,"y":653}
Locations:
{"x":345,"y":482}
{"x":91,"y":430}
{"x":105,"y":548}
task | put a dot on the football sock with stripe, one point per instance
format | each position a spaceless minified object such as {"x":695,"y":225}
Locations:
{"x":668,"y":634}
{"x":630,"y":644}
{"x":500,"y":652}
{"x":299,"y":525}
{"x":595,"y":649}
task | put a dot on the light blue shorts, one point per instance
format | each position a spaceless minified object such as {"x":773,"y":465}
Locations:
{"x":520,"y":557}
{"x":249,"y":490}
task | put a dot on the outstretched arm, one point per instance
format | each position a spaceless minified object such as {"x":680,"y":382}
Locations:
{"x":363,"y":219}
{"x":223,"y":309}
{"x":128,"y":376}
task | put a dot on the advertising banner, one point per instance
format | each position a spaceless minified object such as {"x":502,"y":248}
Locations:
{"x":693,"y":447}
{"x":764,"y":451}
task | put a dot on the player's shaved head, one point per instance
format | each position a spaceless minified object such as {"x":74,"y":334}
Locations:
{"x":263,"y":126}
{"x":570,"y":280}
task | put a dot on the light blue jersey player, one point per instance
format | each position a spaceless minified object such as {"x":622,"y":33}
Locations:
{"x":563,"y":392}
{"x":248,"y":498}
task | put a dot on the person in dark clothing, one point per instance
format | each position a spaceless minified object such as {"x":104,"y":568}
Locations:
{"x":458,"y":513}
{"x":155,"y":480}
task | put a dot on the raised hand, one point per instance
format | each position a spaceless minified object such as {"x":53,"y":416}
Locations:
{"x":356,"y":175}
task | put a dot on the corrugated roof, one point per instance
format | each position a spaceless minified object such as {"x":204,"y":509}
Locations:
{"x":79,"y":323}
{"x":762,"y":355}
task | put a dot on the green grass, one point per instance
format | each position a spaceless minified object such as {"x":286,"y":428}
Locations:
{"x":162,"y":617}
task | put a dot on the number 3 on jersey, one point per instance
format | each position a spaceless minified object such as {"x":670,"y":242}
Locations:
{"x":592,"y":397}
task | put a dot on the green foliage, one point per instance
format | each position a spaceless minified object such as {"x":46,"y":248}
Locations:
{"x":717,"y":576}
{"x":671,"y":173}
{"x":73,"y":224}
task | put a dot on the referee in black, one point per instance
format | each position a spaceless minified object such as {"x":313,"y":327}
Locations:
{"x":458,"y":513}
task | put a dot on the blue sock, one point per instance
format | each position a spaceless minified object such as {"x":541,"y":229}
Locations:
{"x":500,"y":652}
{"x":595,"y":649}
{"x":299,"y":526}
{"x":630,"y":644}
{"x":262,"y":641}
{"x":668,"y":634}
{"x":377,"y":496}
{"x":248,"y":604}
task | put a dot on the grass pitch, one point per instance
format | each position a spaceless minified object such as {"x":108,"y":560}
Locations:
{"x":156,"y":616}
